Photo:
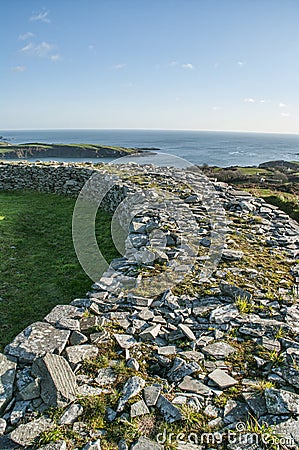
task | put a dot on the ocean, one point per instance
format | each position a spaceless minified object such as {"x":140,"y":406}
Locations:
{"x":198,"y":147}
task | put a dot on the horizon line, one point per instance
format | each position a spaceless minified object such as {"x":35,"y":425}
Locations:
{"x":151,"y":129}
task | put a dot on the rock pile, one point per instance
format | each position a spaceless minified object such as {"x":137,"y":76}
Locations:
{"x":120,"y":368}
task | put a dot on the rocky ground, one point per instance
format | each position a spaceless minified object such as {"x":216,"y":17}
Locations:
{"x":125,"y":369}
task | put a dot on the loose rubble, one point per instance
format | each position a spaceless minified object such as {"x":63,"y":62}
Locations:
{"x":212,"y":353}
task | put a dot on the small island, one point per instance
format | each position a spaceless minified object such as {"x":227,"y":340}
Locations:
{"x":43,"y":150}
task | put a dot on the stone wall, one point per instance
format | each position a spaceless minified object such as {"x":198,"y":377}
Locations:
{"x":225,"y":350}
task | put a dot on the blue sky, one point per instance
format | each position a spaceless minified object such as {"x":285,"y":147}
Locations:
{"x":156,"y":64}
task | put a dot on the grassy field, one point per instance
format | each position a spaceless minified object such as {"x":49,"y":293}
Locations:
{"x":38,"y":264}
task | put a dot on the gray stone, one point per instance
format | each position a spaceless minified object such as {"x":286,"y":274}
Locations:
{"x":7,"y":444}
{"x":79,"y":353}
{"x":139,"y":409}
{"x":131,"y":388}
{"x":151,"y":395}
{"x":233,"y":291}
{"x":58,"y":382}
{"x":71,"y":414}
{"x":125,"y":340}
{"x":26,"y":434}
{"x":58,"y":445}
{"x":132,"y":363}
{"x":19,"y":411}
{"x":105,"y":376}
{"x":192,"y":354}
{"x":288,"y":429}
{"x":37,"y":340}
{"x":144,"y":443}
{"x":187,"y":332}
{"x":191,"y":385}
{"x":7,"y":377}
{"x":224,"y":314}
{"x":2,"y":426}
{"x":150,"y":333}
{"x":78,"y":338}
{"x":63,"y":312}
{"x":222,"y":379}
{"x":232,"y":255}
{"x":122,"y":445}
{"x":235,"y":412}
{"x":88,"y":391}
{"x":271,"y":344}
{"x":256,"y":403}
{"x":279,"y":401}
{"x":31,"y":391}
{"x":170,"y":412}
{"x":167,"y":350}
{"x":88,"y":322}
{"x":219,"y":350}
{"x":95,"y":445}
{"x":111,"y":414}
{"x":181,"y":368}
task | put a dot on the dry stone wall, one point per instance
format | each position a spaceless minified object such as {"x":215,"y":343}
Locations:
{"x":221,"y":352}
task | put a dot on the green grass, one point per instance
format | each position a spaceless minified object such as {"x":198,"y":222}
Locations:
{"x":38,"y":264}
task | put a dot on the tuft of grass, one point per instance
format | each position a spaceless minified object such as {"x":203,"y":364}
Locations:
{"x":38,"y":264}
{"x":244,"y":305}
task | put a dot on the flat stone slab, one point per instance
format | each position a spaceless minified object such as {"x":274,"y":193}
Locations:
{"x":170,"y":412}
{"x":167,"y":350}
{"x":222,"y":379}
{"x":187,"y":332}
{"x":191,"y":385}
{"x":144,"y":443}
{"x":62,"y":312}
{"x":151,"y":395}
{"x":125,"y":340}
{"x":78,"y":353}
{"x":139,"y":409}
{"x":71,"y":414}
{"x":150,"y":333}
{"x":224,"y":314}
{"x":58,"y":382}
{"x":26,"y":434}
{"x":279,"y":401}
{"x":234,"y":291}
{"x":7,"y":377}
{"x":37,"y":340}
{"x":181,"y":368}
{"x":131,"y":388}
{"x":220,"y":350}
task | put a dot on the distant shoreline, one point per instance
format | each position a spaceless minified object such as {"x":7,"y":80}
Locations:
{"x":43,"y":150}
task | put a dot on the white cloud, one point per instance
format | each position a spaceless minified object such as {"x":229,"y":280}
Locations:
{"x":41,"y":50}
{"x":173,"y":63}
{"x":216,"y":108}
{"x":25,"y":36}
{"x":188,"y":66}
{"x":285,"y":114}
{"x":40,"y":17}
{"x":249,"y":100}
{"x":19,"y":69}
{"x":241,"y":63}
{"x":55,"y":57}
{"x":282,"y":105}
{"x":119,"y":66}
